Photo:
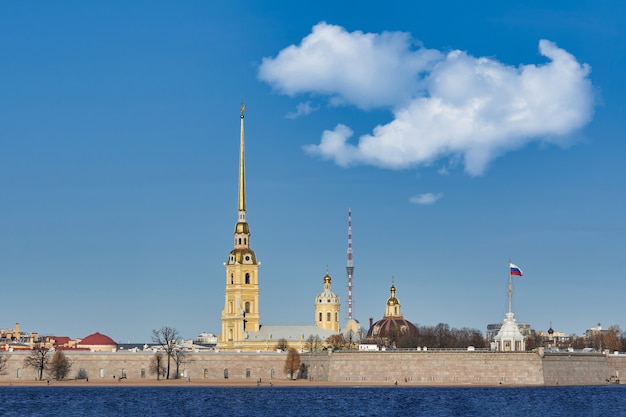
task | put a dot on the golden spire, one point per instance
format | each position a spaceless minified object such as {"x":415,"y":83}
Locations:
{"x":242,"y":172}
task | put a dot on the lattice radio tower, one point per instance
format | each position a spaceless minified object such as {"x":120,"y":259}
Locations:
{"x":349,"y":265}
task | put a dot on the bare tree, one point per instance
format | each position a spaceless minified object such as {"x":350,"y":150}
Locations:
{"x":337,"y":341}
{"x":303,"y":373}
{"x":3,"y":363}
{"x":166,"y":337}
{"x":82,"y":374}
{"x":282,"y":344}
{"x":59,"y":366}
{"x":313,"y":343}
{"x":292,"y":363}
{"x":157,"y":366}
{"x":38,"y":359}
{"x":611,"y":338}
{"x":180,"y":357}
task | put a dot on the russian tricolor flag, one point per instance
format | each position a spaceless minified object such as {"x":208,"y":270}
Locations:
{"x":515,"y":270}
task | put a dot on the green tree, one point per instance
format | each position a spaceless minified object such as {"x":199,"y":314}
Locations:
{"x":167,"y":338}
{"x":59,"y":366}
{"x":292,"y":363}
{"x":38,"y":359}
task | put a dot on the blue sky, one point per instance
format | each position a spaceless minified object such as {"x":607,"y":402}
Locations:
{"x":460,"y":137}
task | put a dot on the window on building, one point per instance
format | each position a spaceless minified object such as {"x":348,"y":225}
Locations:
{"x":247,"y":373}
{"x":328,"y":316}
{"x":226,"y":373}
{"x":247,"y":307}
{"x":101,"y":373}
{"x":320,"y":316}
{"x":247,"y":278}
{"x":336,"y":316}
{"x":19,"y":373}
{"x":232,"y":278}
{"x":143,"y":372}
{"x":206,"y":373}
{"x":123,"y":373}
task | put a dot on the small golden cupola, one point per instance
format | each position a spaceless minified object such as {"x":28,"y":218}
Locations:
{"x":393,"y":329}
{"x":393,"y":304}
{"x":327,"y":307}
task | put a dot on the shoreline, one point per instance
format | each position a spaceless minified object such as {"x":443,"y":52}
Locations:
{"x":234,"y":383}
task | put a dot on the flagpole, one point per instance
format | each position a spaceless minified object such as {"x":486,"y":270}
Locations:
{"x":510,"y":291}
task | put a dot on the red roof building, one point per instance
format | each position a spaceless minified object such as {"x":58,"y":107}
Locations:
{"x":97,"y":342}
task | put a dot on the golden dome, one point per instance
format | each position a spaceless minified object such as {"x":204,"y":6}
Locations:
{"x":242,"y":227}
{"x":242,"y":256}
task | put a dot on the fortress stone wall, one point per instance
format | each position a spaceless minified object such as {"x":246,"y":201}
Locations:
{"x":569,"y":368}
{"x":405,"y":367}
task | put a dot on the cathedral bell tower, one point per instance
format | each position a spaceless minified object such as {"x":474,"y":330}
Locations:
{"x":241,"y":305}
{"x":327,"y":307}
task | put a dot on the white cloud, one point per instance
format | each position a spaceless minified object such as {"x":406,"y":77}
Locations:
{"x":426,"y":199}
{"x":363,"y":69}
{"x":452,"y":106}
{"x":302,"y":109}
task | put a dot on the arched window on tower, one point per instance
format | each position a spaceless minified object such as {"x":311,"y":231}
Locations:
{"x":232,"y":278}
{"x":328,"y":316}
{"x":336,"y":316}
{"x":245,"y":241}
{"x":247,"y":278}
{"x":320,"y":316}
{"x":247,"y":307}
{"x":240,"y":241}
{"x":395,"y":310}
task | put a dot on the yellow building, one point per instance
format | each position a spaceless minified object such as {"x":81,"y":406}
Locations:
{"x":241,"y":320}
{"x":327,"y":308}
{"x":241,"y":305}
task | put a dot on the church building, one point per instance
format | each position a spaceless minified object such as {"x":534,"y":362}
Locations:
{"x":393,"y":329}
{"x":242,"y":329}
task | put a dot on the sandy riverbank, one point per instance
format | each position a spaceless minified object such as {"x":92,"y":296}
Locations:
{"x":217,"y":383}
{"x":184,"y":383}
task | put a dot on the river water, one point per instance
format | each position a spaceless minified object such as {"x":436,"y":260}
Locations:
{"x":313,"y":401}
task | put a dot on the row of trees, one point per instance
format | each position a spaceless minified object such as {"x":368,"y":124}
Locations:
{"x":439,"y":336}
{"x":57,"y":365}
{"x":613,"y":339}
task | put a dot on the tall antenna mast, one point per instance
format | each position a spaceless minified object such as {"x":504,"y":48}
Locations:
{"x":349,"y":265}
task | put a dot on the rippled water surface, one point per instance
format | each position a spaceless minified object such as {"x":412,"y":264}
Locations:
{"x":286,"y":401}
